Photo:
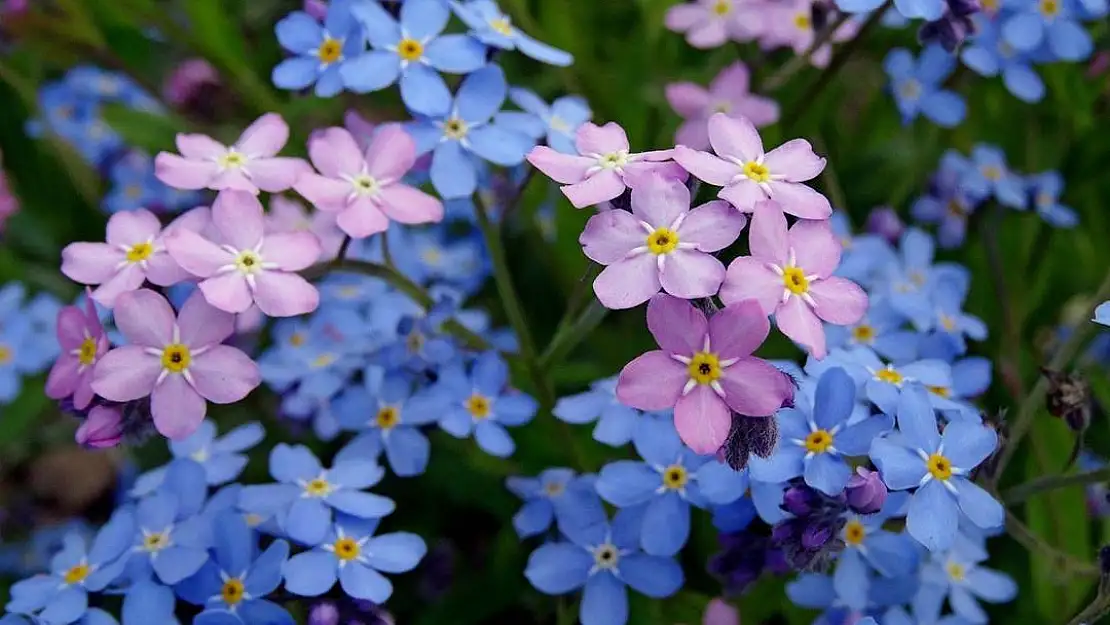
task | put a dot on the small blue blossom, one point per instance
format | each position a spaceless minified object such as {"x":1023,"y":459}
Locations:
{"x":1051,"y":21}
{"x":555,"y":495}
{"x":951,"y":325}
{"x":947,"y":203}
{"x":987,"y":174}
{"x":917,"y":85}
{"x":988,"y":54}
{"x":958,"y":574}
{"x":222,"y":457}
{"x":881,"y":329}
{"x":321,"y":49}
{"x":557,"y":123}
{"x":1045,"y":190}
{"x":616,"y":423}
{"x":172,"y":536}
{"x":883,"y":383}
{"x":492,"y":27}
{"x":868,"y":547}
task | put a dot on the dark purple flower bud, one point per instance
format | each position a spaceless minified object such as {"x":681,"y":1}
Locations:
{"x":800,"y":501}
{"x":750,"y":435}
{"x":1068,"y":397}
{"x":964,"y":8}
{"x":950,"y":31}
{"x":815,"y":537}
{"x":866,"y":491}
{"x":102,"y":428}
{"x":324,"y":613}
{"x":316,"y":8}
{"x":783,"y":533}
{"x":884,"y":221}
{"x":187,"y":79}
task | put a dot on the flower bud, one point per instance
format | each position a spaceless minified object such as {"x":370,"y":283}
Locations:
{"x":884,"y":221}
{"x":816,"y":536}
{"x":866,"y":491}
{"x":102,"y":428}
{"x":316,"y":8}
{"x":324,"y":613}
{"x":800,"y":501}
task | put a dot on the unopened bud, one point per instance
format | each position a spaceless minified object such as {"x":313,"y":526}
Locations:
{"x":324,"y":613}
{"x":101,"y":429}
{"x":884,"y":221}
{"x":800,"y":500}
{"x":750,"y":435}
{"x":1068,"y":397}
{"x":866,"y":491}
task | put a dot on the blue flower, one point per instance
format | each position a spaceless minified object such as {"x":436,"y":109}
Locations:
{"x":880,"y":330}
{"x":390,"y":417}
{"x":421,"y":343}
{"x":558,"y":123}
{"x":95,"y":616}
{"x":988,"y":54}
{"x":555,"y":495}
{"x":467,"y":132}
{"x":429,"y":255}
{"x":813,"y":442}
{"x":351,"y":553}
{"x":958,"y":575}
{"x":947,"y":204}
{"x":75,"y":118}
{"x":867,"y":547}
{"x":1054,"y":21}
{"x":492,"y":27}
{"x":307,"y":493}
{"x":937,"y":465}
{"x":818,"y":592}
{"x":950,"y":323}
{"x":670,"y":479}
{"x":970,"y":378}
{"x":616,"y":423}
{"x":232,"y":585}
{"x":221,"y":457}
{"x":603,"y":560}
{"x":1045,"y":189}
{"x":17,"y":357}
{"x":1102,"y":314}
{"x":478,"y":403}
{"x":987,"y":174}
{"x":883,"y":383}
{"x":317,"y":357}
{"x":321,"y":50}
{"x":61,"y":597}
{"x":929,"y":10}
{"x":908,"y":279}
{"x":917,"y":85}
{"x":412,"y":49}
{"x":172,"y":535}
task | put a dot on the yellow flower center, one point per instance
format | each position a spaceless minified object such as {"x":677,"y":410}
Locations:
{"x":662,"y":241}
{"x":889,"y":375}
{"x":802,"y":21}
{"x":454,"y":128}
{"x":86,"y":354}
{"x":757,"y":172}
{"x":940,"y":391}
{"x":410,"y":50}
{"x":863,"y":333}
{"x":388,"y":418}
{"x":414,"y":342}
{"x":1045,"y":200}
{"x":991,"y":172}
{"x":554,"y":489}
{"x":1050,"y":8}
{"x":990,"y":6}
{"x":478,"y":406}
{"x":558,"y":124}
{"x":5,"y":354}
{"x":248,"y":261}
{"x":613,"y":160}
{"x":155,"y":542}
{"x":366,"y":185}
{"x":232,"y":591}
{"x":76,"y":574}
{"x":721,"y":107}
{"x":939,"y":466}
{"x":330,"y":51}
{"x":347,"y":549}
{"x":324,"y":360}
{"x":795,"y":281}
{"x":910,"y":89}
{"x":704,"y":367}
{"x":318,"y":487}
{"x":297,"y":339}
{"x":854,"y":532}
{"x":139,"y":252}
{"x":606,"y":556}
{"x":956,"y":571}
{"x":947,"y":322}
{"x":253,"y":520}
{"x":722,"y":7}
{"x":232,"y":160}
{"x":818,"y":441}
{"x":502,"y":25}
{"x":955,"y":209}
{"x":132,"y":191}
{"x":675,"y":477}
{"x":176,"y":358}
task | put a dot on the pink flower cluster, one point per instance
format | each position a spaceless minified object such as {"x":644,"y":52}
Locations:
{"x":664,"y":252}
{"x":8,"y":202}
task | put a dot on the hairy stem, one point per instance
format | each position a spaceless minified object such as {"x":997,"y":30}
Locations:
{"x":1048,"y":483}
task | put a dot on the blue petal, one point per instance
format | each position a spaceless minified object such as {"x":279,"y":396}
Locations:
{"x":965,"y":606}
{"x":617,"y":425}
{"x":365,"y":447}
{"x":653,"y":576}
{"x":66,"y":607}
{"x":917,"y":420}
{"x":515,"y":409}
{"x":1023,"y":82}
{"x":424,"y":92}
{"x":932,"y":517}
{"x":891,"y":554}
{"x":541,"y":51}
{"x":581,"y":408}
{"x":720,"y":483}
{"x":114,"y":538}
{"x":310,"y":574}
{"x":175,"y":563}
{"x":827,"y":473}
{"x":534,"y":518}
{"x":498,"y":145}
{"x":929,"y":10}
{"x":290,"y":463}
{"x":604,"y":602}
{"x":657,"y":441}
{"x":967,"y":444}
{"x":944,"y":108}
{"x":457,"y":422}
{"x":666,"y":525}
{"x":900,"y":468}
{"x":627,"y":483}
{"x":355,"y":474}
{"x":266,"y":498}
{"x":421,"y":19}
{"x":558,"y":568}
{"x":217,"y":617}
{"x":455,"y":54}
{"x":991,"y":585}
{"x":308,"y":521}
{"x":295,"y":73}
{"x":407,"y":450}
{"x":363,"y":582}
{"x":299,"y":32}
{"x":233,"y":544}
{"x":899,"y":63}
{"x":1023,"y":31}
{"x":979,"y":506}
{"x":494,"y":439}
{"x":156,"y":512}
{"x":785,"y":464}
{"x":361,"y":505}
{"x":148,"y":602}
{"x":850,"y":579}
{"x":1069,"y":41}
{"x":262,"y":611}
{"x":835,"y":398}
{"x":481,"y":94}
{"x":453,"y":174}
{"x":935,"y":63}
{"x":187,"y":481}
{"x":329,"y":84}
{"x":398,"y":552}
{"x":981,"y":60}
{"x":380,"y":28}
{"x":371,"y":71}
{"x":265,"y":574}
{"x":885,"y":396}
{"x":856,"y":439}
{"x":812,"y":590}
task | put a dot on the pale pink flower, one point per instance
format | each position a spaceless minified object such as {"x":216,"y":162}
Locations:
{"x":249,"y":165}
{"x":718,"y":612}
{"x":287,"y":215}
{"x":239,"y":264}
{"x":135,"y":252}
{"x":660,"y":244}
{"x":749,"y":176}
{"x":604,"y":167}
{"x":179,"y":362}
{"x":704,"y":370}
{"x":728,"y":94}
{"x":83,"y":342}
{"x":790,"y":23}
{"x":365,"y":189}
{"x":710,"y":23}
{"x":790,"y":275}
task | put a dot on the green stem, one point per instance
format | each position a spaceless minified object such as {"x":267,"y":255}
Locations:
{"x":1047,"y":483}
{"x":1032,"y":542}
{"x":571,"y":334}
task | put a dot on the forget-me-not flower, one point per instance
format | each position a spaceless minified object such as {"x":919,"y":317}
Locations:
{"x":987,"y":174}
{"x":557,"y":122}
{"x":616,"y":423}
{"x":1034,"y":22}
{"x":321,"y":50}
{"x":222,"y":457}
{"x":959,"y":576}
{"x":555,"y":495}
{"x":492,"y":27}
{"x":1045,"y":190}
{"x":917,"y":85}
{"x":989,"y":54}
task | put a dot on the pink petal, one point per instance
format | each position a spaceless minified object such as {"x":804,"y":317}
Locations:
{"x":145,"y":318}
{"x":653,"y":381}
{"x":682,"y":17}
{"x":228,"y":291}
{"x":281,"y":294}
{"x":91,"y":263}
{"x":335,"y":153}
{"x":238,"y":216}
{"x":686,"y":98}
{"x":274,"y":175}
{"x":163,"y":270}
{"x":129,"y":278}
{"x":703,"y":420}
{"x":409,"y":205}
{"x":641,"y":172}
{"x":799,"y":323}
{"x":720,"y":613}
{"x":131,"y":227}
{"x":731,"y":84}
{"x":362,"y":219}
{"x":705,"y":166}
{"x":201,"y":324}
{"x":199,"y":147}
{"x":796,"y":160}
{"x":709,"y":34}
{"x":196,"y":220}
{"x":738,"y":329}
{"x":628,"y":282}
{"x":391,"y":153}
{"x":126,"y":373}
{"x":713,"y":226}
{"x":224,"y":375}
{"x":656,"y":156}
{"x":659,"y":201}
{"x":689,"y":274}
{"x":286,"y":215}
{"x":754,"y":387}
{"x":600,"y":187}
{"x":759,"y":110}
{"x":678,"y":327}
{"x":71,"y":328}
{"x":693,"y":133}
{"x":83,"y":393}
{"x":196,"y":254}
{"x":326,"y":194}
{"x":234,"y":180}
{"x":292,"y":251}
{"x":800,"y":200}
{"x":265,"y":137}
{"x":594,"y":139}
{"x":767,"y":235}
{"x":63,"y":377}
{"x":838,"y":300}
{"x":181,"y":173}
{"x":743,"y":194}
{"x":177,"y":408}
{"x":816,"y":248}
{"x":749,"y":278}
{"x":562,"y":168}
{"x":735,"y":137}
{"x":610,"y":235}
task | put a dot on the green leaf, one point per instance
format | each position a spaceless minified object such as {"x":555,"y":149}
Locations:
{"x":150,"y":131}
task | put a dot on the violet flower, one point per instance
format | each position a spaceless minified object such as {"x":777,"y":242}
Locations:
{"x":728,"y":93}
{"x":83,"y":342}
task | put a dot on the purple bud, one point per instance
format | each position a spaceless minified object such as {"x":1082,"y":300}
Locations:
{"x":782,"y":533}
{"x":102,"y":428}
{"x":316,"y":8}
{"x":324,"y":613}
{"x":187,"y":79}
{"x":884,"y":222}
{"x":799,"y":501}
{"x":964,"y":8}
{"x":866,"y":491}
{"x":816,"y":536}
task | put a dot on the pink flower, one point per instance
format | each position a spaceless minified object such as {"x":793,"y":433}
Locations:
{"x":728,"y":94}
{"x":83,"y":343}
{"x":661,"y":243}
{"x":249,"y":165}
{"x":790,"y":24}
{"x":720,"y":613}
{"x":705,"y":370}
{"x":604,"y":168}
{"x":239,"y":264}
{"x":710,"y":23}
{"x":286,"y":215}
{"x":365,"y":189}
{"x":187,"y":79}
{"x":790,"y":275}
{"x":135,"y":251}
{"x":748,"y":175}
{"x":102,"y":428}
{"x":9,"y":205}
{"x":179,"y":362}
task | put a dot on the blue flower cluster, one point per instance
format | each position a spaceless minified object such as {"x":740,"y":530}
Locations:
{"x":27,"y":341}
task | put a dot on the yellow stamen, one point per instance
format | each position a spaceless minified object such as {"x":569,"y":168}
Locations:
{"x":863,"y":333}
{"x":502,"y":25}
{"x":176,"y":358}
{"x":704,"y":367}
{"x":757,"y":172}
{"x":347,"y":549}
{"x":818,"y":441}
{"x":794,"y":279}
{"x":455,"y":128}
{"x":76,"y":574}
{"x":387,"y":418}
{"x":410,"y":50}
{"x":478,"y":406}
{"x":330,"y":51}
{"x":675,"y":477}
{"x":139,"y":252}
{"x":889,"y":375}
{"x":318,"y":487}
{"x":939,"y":466}
{"x":232,"y":591}
{"x":662,"y":241}
{"x":854,"y":532}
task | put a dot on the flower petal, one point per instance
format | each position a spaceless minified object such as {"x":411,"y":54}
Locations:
{"x":652,"y":381}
